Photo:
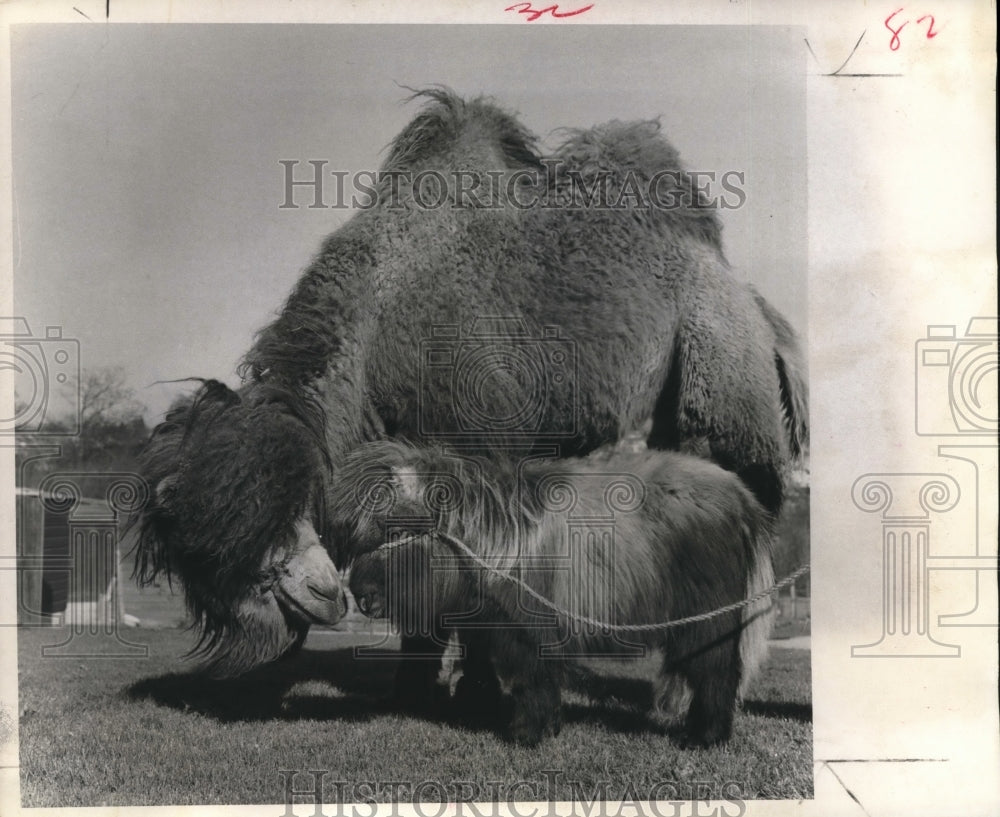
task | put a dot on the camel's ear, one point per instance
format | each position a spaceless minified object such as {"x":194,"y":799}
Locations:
{"x":163,"y":490}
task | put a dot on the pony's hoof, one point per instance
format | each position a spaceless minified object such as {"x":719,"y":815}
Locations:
{"x":527,"y":735}
{"x":527,"y":731}
{"x":703,"y":738}
{"x":477,"y":699}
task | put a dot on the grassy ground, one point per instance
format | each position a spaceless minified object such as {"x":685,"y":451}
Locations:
{"x":791,"y":628}
{"x":146,"y":731}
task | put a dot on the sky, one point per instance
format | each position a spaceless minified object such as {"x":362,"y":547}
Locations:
{"x":148,"y":184}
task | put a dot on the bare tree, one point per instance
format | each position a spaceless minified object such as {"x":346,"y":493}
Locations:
{"x":105,"y":436}
{"x":106,"y":399}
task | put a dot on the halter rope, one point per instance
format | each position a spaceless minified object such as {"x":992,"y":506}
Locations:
{"x":459,"y":545}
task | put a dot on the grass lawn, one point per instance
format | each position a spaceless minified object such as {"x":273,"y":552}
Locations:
{"x":131,"y":732}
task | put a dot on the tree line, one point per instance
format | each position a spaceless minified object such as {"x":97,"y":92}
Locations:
{"x":104,"y":435}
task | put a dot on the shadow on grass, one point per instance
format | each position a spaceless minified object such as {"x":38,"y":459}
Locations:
{"x":617,"y":703}
{"x":621,"y":703}
{"x":780,"y":709}
{"x":325,"y":685}
{"x":357,"y":690}
{"x":333,"y":685}
{"x":630,"y":691}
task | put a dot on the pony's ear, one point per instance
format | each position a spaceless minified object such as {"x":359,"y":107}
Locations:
{"x":406,"y":484}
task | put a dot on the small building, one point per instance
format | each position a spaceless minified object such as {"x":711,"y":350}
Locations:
{"x":75,"y":565}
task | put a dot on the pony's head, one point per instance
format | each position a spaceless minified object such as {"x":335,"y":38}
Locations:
{"x":388,"y":487}
{"x":236,"y":482}
{"x":387,"y":507}
{"x":392,"y":510}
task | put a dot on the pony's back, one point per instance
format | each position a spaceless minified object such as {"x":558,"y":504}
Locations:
{"x":628,"y":538}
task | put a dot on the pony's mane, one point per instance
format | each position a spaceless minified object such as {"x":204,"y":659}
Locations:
{"x":638,"y":148}
{"x":485,"y":503}
{"x":499,"y":513}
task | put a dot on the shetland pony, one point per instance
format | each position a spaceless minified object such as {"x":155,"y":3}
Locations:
{"x":617,"y":539}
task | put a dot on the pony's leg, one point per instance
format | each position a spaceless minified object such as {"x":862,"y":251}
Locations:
{"x":419,"y":665}
{"x":671,"y":698}
{"x":477,"y":693}
{"x":535,"y":697}
{"x":714,"y":676}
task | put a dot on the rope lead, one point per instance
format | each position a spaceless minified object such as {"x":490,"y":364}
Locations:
{"x":459,"y":545}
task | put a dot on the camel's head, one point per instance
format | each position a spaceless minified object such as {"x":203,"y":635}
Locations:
{"x":235,"y":481}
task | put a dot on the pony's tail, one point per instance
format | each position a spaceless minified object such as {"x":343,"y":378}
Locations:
{"x":758,"y":618}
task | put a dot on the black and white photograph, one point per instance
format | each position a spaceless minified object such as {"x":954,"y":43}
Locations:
{"x":409,"y":412}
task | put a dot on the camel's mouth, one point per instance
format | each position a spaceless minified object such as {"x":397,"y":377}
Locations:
{"x":309,"y":587}
{"x":322,"y":605}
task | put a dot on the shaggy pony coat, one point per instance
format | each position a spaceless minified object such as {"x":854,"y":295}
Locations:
{"x":651,"y":328}
{"x":624,"y":539}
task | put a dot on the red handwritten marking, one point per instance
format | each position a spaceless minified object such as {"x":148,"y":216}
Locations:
{"x":931,"y":33}
{"x":894,"y":42}
{"x":533,"y":13}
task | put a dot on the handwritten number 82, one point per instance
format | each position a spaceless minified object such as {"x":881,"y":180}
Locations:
{"x":894,"y":42}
